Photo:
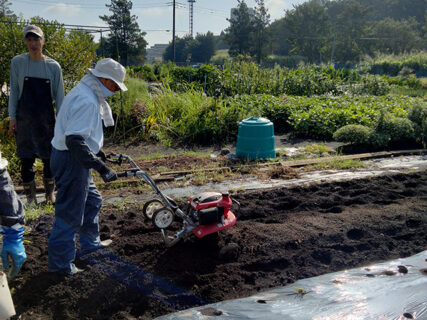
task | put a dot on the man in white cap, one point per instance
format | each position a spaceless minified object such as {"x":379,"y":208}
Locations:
{"x":76,"y":150}
{"x":35,"y":83}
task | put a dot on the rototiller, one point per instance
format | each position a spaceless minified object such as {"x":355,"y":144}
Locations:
{"x":209,"y":212}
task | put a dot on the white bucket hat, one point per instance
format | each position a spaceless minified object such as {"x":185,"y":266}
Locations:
{"x":110,"y":69}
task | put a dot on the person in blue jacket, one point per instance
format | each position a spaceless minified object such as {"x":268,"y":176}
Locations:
{"x":12,"y":218}
{"x":77,"y":144}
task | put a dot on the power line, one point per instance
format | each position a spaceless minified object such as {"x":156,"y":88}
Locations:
{"x":89,"y":6}
{"x":80,"y":26}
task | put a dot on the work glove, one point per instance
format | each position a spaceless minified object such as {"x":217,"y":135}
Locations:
{"x":107,"y":174}
{"x":13,"y":249}
{"x":101,"y":155}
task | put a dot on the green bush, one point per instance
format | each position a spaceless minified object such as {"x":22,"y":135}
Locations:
{"x":418,"y":113}
{"x":409,"y":81}
{"x":353,"y":133}
{"x":144,"y":72}
{"x":389,"y":129}
{"x":392,"y":65}
{"x":399,"y":129}
{"x":371,"y":85}
{"x":8,"y":145}
{"x":418,"y":116}
{"x":379,"y":140}
{"x":424,"y":135}
{"x":284,"y":61}
{"x":237,"y":78}
{"x":129,"y":109}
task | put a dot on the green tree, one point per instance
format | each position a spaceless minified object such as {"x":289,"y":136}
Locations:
{"x":279,"y":35}
{"x":261,"y":34}
{"x":181,"y":50}
{"x":349,"y":28}
{"x":5,"y":11}
{"x":424,"y":31}
{"x":309,"y":29}
{"x":394,"y":37}
{"x":220,"y":42}
{"x":238,"y":34}
{"x":204,"y":49}
{"x":126,"y":42}
{"x":187,"y":49}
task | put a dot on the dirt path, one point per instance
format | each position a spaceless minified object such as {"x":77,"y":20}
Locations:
{"x":282,"y":235}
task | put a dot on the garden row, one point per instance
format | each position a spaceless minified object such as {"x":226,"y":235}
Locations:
{"x":248,"y":78}
{"x":192,"y":117}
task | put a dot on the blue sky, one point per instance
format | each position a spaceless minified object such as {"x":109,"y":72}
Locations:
{"x":154,"y":17}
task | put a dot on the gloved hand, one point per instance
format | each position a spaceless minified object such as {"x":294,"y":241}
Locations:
{"x":107,"y":174}
{"x":101,"y":155}
{"x":12,"y":248}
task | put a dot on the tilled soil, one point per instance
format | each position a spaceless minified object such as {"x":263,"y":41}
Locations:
{"x":282,"y":235}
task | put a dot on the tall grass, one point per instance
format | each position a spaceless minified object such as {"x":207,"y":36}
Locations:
{"x":191,"y":118}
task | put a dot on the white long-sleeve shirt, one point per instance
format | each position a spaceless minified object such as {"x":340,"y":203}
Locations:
{"x":79,"y":115}
{"x":36,"y":69}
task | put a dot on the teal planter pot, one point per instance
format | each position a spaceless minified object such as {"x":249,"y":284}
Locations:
{"x":255,"y":139}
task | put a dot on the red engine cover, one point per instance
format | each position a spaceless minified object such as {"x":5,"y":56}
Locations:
{"x":209,"y":200}
{"x":229,"y":221}
{"x":213,"y":199}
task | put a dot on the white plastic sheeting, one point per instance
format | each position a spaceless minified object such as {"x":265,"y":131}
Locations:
{"x":388,"y":291}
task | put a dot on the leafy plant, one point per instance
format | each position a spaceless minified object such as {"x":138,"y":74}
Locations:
{"x":418,"y":116}
{"x":353,"y":133}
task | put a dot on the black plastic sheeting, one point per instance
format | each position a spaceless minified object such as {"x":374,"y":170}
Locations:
{"x":392,"y":290}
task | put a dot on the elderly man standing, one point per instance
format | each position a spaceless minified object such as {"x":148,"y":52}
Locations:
{"x":35,"y":82}
{"x":76,"y":150}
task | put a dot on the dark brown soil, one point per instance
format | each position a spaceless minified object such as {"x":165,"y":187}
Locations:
{"x":282,"y":235}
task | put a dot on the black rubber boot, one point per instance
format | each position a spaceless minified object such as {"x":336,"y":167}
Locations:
{"x":49,"y":188}
{"x":30,"y":192}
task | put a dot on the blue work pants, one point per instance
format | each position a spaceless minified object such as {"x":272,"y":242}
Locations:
{"x":77,"y":207}
{"x":11,"y":209}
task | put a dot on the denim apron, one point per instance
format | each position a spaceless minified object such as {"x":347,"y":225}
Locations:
{"x":35,"y":118}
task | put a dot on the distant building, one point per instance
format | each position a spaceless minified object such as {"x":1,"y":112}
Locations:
{"x":155,"y":53}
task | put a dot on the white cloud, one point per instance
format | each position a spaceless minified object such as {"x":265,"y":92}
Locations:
{"x":276,"y":8}
{"x":63,"y":10}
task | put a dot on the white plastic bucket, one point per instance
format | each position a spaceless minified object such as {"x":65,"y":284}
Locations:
{"x":6,"y":304}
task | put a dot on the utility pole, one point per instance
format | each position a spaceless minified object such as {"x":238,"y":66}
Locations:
{"x":190,"y":2}
{"x":173,"y":33}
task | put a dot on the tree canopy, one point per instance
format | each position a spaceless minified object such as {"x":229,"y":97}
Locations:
{"x":5,"y":11}
{"x":343,"y":31}
{"x":126,"y":42}
{"x":189,"y":49}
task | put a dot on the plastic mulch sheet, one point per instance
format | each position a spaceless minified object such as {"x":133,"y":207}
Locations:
{"x":390,"y":290}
